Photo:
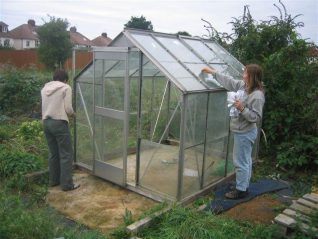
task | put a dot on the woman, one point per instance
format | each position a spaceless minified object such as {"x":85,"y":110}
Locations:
{"x":244,"y":124}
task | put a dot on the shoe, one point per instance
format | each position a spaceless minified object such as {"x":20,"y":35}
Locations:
{"x":233,"y":187}
{"x":236,"y":194}
{"x":75,"y":186}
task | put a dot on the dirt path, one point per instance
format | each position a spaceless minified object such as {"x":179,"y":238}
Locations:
{"x":98,"y":203}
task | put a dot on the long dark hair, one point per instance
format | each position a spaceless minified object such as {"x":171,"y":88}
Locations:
{"x":255,"y":78}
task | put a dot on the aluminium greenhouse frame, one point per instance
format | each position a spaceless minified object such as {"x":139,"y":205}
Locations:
{"x":149,"y":121}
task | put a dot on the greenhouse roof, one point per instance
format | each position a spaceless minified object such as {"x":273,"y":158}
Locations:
{"x":181,"y":58}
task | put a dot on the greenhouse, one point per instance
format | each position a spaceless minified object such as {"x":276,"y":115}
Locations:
{"x":149,"y":121}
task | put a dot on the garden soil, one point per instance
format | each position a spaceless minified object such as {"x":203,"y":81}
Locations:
{"x":97,"y":203}
{"x":260,"y":210}
{"x":102,"y":205}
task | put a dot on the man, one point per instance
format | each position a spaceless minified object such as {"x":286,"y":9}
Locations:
{"x":56,"y":106}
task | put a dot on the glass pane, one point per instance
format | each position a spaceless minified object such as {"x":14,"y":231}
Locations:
{"x":230,"y":165}
{"x":226,"y":56}
{"x":133,"y":98}
{"x":177,"y":48}
{"x":109,"y":84}
{"x":159,"y":146}
{"x":87,"y":75}
{"x":109,"y":135}
{"x":159,"y":167}
{"x":195,"y":128}
{"x":217,"y":138}
{"x":84,"y":116}
{"x":204,"y":51}
{"x":169,"y":63}
{"x":227,"y":70}
{"x":154,"y":107}
{"x":174,"y":108}
{"x":133,"y":114}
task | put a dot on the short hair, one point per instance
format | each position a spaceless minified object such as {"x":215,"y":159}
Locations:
{"x":60,"y":75}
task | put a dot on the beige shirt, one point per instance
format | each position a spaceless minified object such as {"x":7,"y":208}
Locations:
{"x":56,"y":100}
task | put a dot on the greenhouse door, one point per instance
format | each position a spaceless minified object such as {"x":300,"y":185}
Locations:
{"x":111,"y":91}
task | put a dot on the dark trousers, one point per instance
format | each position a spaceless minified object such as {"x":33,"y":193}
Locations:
{"x":60,"y":152}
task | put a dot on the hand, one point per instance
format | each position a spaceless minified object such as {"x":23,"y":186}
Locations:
{"x":239,"y":105}
{"x":208,"y":70}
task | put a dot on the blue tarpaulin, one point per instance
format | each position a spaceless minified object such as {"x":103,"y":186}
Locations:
{"x":220,"y":203}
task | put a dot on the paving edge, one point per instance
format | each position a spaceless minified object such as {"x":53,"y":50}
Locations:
{"x":137,"y":226}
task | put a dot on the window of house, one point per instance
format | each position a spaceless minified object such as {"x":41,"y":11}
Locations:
{"x":27,"y":43}
{"x":37,"y":43}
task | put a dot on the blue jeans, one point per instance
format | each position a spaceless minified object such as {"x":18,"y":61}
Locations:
{"x":242,"y":157}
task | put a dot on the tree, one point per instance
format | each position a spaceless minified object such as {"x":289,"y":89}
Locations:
{"x":183,"y":33}
{"x":55,"y":45}
{"x":139,"y":23}
{"x":291,"y":82}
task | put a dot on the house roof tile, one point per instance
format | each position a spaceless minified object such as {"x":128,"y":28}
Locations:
{"x":25,"y":31}
{"x":102,"y":40}
{"x":78,"y":38}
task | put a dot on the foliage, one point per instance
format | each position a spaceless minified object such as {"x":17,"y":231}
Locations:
{"x":183,"y":33}
{"x":291,"y":80}
{"x":55,"y":45}
{"x":30,"y":130}
{"x":27,"y":137}
{"x":186,"y":223}
{"x":4,"y":134}
{"x":19,"y":90}
{"x":24,"y":218}
{"x":292,"y":85}
{"x":139,"y":23}
{"x":17,"y":163}
{"x":18,"y":221}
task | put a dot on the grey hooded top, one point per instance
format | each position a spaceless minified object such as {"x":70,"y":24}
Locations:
{"x":253,"y":103}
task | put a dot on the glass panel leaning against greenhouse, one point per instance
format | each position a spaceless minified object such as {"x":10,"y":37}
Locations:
{"x":149,"y":120}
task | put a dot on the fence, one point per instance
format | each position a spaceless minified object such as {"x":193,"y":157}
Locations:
{"x":27,"y":58}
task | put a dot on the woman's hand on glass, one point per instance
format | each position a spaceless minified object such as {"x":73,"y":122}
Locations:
{"x":209,"y":70}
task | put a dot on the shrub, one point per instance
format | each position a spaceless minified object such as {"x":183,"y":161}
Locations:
{"x":30,"y":130}
{"x":291,"y":82}
{"x":29,"y":138}
{"x":19,"y":90}
{"x":17,"y":163}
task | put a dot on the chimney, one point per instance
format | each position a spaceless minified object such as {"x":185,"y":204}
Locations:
{"x":104,"y":34}
{"x":73,"y":29}
{"x":31,"y":22}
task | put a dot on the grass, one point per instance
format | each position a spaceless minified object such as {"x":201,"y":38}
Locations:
{"x":24,"y":216}
{"x":183,"y":222}
{"x":24,"y":213}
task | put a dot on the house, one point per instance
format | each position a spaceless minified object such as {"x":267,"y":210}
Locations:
{"x":5,"y":38}
{"x":25,"y":36}
{"x":102,"y":40}
{"x":79,"y":40}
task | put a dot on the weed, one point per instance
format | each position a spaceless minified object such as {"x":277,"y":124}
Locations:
{"x":128,"y":217}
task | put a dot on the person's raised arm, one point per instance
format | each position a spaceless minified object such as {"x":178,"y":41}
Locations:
{"x":227,"y":82}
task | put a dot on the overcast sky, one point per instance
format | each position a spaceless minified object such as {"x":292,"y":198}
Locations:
{"x":92,"y":17}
